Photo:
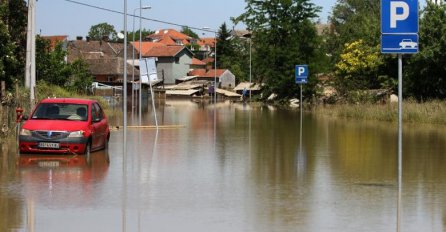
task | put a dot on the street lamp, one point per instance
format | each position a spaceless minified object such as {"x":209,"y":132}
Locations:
{"x":215,"y":61}
{"x":133,"y":49}
{"x":249,"y":35}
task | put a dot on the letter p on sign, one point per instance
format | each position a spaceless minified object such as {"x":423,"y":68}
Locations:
{"x":399,"y":16}
{"x":300,"y":71}
{"x":399,"y":11}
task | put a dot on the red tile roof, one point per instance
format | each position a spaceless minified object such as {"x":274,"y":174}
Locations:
{"x":54,"y":40}
{"x":196,"y":61}
{"x":197,"y":72}
{"x":169,"y":37}
{"x":146,"y":46}
{"x":206,"y":41}
{"x":207,"y":73}
{"x":164,"y":51}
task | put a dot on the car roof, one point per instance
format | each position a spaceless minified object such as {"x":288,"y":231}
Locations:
{"x":68,"y":100}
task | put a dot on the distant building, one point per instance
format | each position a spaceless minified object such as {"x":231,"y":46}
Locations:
{"x":223,"y":77}
{"x":104,"y":59}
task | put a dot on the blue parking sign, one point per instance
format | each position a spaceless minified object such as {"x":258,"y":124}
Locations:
{"x":399,"y":16}
{"x":301,"y":73}
{"x":399,"y":43}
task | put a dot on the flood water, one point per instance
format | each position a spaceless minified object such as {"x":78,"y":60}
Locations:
{"x":235,"y":168}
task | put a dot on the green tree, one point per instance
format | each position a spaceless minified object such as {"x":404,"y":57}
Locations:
{"x":12,"y":40}
{"x":358,"y":67}
{"x":426,"y":71}
{"x":225,"y":48}
{"x":99,"y":31}
{"x":144,"y":34}
{"x":50,"y":64}
{"x":52,"y":68}
{"x":352,"y":20}
{"x":189,"y":32}
{"x":284,"y":36}
{"x":81,"y":79}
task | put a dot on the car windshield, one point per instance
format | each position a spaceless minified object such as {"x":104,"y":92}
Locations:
{"x":61,"y":111}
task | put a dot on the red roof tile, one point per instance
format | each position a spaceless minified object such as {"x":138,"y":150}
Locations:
{"x":54,"y":40}
{"x":169,"y":37}
{"x":196,"y":61}
{"x":207,"y":41}
{"x":146,"y":46}
{"x":164,"y":51}
{"x":207,"y":73}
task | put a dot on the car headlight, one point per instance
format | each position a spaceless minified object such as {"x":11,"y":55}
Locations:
{"x":76,"y":134}
{"x":25,"y":132}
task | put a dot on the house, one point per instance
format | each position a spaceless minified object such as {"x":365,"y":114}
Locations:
{"x":170,"y":37}
{"x":55,"y":40}
{"x":223,"y":77}
{"x":197,"y":64}
{"x":105,"y":60}
{"x":203,"y":47}
{"x":172,"y":62}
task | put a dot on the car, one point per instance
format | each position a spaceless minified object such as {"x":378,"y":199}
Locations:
{"x":65,"y":126}
{"x":408,"y":43}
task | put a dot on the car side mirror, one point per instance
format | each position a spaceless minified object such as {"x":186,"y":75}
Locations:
{"x":24,"y":117}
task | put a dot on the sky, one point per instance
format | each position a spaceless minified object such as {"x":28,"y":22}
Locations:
{"x":67,"y":17}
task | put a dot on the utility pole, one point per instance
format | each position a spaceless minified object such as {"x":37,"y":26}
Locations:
{"x":30,"y":67}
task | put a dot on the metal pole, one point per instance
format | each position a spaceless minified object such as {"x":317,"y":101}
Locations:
{"x":400,"y":139}
{"x":215,"y":69}
{"x":133,"y":61}
{"x":125,"y":83}
{"x":140,"y":82}
{"x":33,"y":54}
{"x":250,"y":67}
{"x":28,"y":46}
{"x":301,"y":104}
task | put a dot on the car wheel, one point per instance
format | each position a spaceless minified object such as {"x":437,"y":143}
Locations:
{"x":87,"y":152}
{"x":106,"y":144}
{"x":106,"y":151}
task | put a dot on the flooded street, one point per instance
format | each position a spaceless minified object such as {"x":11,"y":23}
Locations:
{"x":234,"y":168}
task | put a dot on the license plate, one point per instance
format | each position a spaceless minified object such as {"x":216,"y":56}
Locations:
{"x":48,"y":164}
{"x":48,"y":145}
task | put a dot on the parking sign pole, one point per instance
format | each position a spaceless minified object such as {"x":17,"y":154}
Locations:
{"x":400,"y":138}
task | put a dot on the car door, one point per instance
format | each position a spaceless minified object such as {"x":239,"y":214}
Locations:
{"x":99,"y":125}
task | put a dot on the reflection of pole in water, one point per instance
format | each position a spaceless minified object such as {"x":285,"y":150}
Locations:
{"x":31,"y":217}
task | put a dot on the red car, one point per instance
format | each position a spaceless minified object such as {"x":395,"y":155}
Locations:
{"x":65,"y":126}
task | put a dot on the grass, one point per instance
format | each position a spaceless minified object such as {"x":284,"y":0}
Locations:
{"x":433,"y":112}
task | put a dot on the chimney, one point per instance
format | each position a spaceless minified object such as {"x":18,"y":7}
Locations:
{"x":87,"y":38}
{"x":78,"y":37}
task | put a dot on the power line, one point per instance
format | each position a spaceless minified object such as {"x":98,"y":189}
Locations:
{"x":149,"y":19}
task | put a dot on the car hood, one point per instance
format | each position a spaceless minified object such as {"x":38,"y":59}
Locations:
{"x":55,"y":125}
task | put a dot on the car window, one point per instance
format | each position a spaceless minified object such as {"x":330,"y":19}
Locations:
{"x":93,"y":113}
{"x":98,"y":110}
{"x":61,"y":111}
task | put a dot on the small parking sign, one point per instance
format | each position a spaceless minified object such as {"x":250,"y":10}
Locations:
{"x":301,"y":74}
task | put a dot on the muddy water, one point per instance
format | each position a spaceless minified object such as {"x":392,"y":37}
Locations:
{"x":234,"y":168}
